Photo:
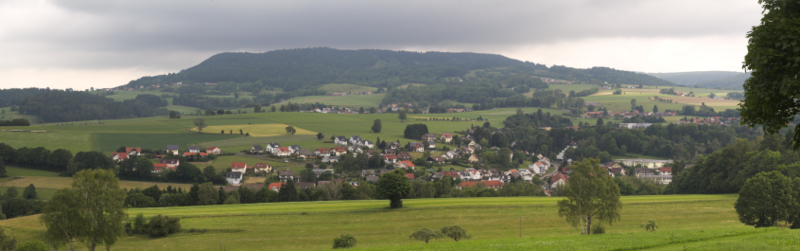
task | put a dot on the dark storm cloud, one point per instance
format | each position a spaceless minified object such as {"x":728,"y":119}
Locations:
{"x":256,"y":25}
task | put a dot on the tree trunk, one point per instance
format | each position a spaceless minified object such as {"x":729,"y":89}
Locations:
{"x":72,"y":243}
{"x":588,"y":224}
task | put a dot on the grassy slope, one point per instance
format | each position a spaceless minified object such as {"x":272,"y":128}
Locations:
{"x":365,"y":101}
{"x":493,"y":222}
{"x":331,"y":88}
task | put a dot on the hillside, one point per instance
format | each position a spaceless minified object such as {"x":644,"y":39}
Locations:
{"x":296,"y":69}
{"x":734,"y":82}
{"x":729,"y":80}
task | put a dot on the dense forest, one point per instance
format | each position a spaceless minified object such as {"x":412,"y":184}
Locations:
{"x":680,"y":142}
{"x":62,"y":106}
{"x":13,"y":97}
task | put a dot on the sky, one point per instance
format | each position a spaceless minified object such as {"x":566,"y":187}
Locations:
{"x":80,"y":44}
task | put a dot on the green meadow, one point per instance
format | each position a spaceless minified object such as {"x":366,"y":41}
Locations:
{"x":697,"y":222}
{"x":365,"y":101}
{"x":109,"y":142}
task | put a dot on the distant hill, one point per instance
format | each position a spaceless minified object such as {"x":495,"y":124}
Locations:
{"x":734,"y":82}
{"x":296,"y":69}
{"x":706,"y":79}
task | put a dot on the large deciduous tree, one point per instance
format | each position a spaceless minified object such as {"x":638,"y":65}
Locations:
{"x":592,"y":195}
{"x":376,"y":126}
{"x":394,"y":186}
{"x":402,"y":115}
{"x":91,"y":211}
{"x":772,"y":93}
{"x":200,"y":123}
{"x":765,"y":199}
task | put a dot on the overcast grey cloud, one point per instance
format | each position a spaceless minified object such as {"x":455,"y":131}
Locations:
{"x":107,"y":43}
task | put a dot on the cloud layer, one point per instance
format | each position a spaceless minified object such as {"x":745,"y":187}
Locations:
{"x":119,"y":39}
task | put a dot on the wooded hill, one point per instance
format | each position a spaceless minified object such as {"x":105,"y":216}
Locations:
{"x":294,"y":69}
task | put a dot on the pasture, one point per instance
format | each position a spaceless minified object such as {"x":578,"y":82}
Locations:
{"x":495,"y":224}
{"x":109,"y":142}
{"x":72,"y":141}
{"x":217,"y":120}
{"x":645,"y":98}
{"x":64,"y":182}
{"x":346,"y":88}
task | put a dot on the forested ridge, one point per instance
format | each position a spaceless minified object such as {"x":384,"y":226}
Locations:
{"x":294,"y":69}
{"x":62,"y":106}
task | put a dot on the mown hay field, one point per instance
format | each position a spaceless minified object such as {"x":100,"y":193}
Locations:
{"x":493,"y":222}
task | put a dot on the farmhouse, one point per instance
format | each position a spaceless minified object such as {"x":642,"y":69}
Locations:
{"x":233,"y":178}
{"x":283,"y":152}
{"x":275,"y":186}
{"x":338,"y":150}
{"x":170,"y":162}
{"x":404,"y":164}
{"x":173,"y":149}
{"x":133,"y":151}
{"x":340,"y":140}
{"x":119,"y":156}
{"x":256,"y":149}
{"x":429,"y":137}
{"x":239,"y":167}
{"x":271,"y":147}
{"x":390,"y":158}
{"x":404,"y":156}
{"x":648,"y":163}
{"x":213,"y":150}
{"x":285,"y":175}
{"x":447,"y":137}
{"x":262,"y":167}
{"x":323,"y":152}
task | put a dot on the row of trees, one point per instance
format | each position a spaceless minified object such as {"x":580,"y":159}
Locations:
{"x":60,"y":160}
{"x":62,"y":106}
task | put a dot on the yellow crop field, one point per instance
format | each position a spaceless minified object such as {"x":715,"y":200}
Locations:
{"x":258,"y":130}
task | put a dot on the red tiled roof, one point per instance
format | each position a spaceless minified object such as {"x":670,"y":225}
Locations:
{"x":238,"y":165}
{"x":284,"y":149}
{"x":275,"y":185}
{"x":558,"y":176}
{"x":665,"y":169}
{"x":211,"y":149}
{"x":407,"y":163}
{"x":410,"y":175}
{"x":390,"y":156}
{"x":121,"y":155}
{"x":130,"y":149}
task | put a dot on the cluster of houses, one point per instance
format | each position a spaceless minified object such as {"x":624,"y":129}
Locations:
{"x":716,"y":120}
{"x":165,"y":163}
{"x":652,"y":170}
{"x":626,"y":114}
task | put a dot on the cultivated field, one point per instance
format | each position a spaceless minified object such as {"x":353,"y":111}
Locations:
{"x":694,"y":221}
{"x":257,"y":130}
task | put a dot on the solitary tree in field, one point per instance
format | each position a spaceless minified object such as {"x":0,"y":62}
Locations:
{"x":172,"y":114}
{"x":655,"y":108}
{"x":376,"y":126}
{"x":766,"y":199}
{"x":402,"y":115}
{"x":600,"y":121}
{"x":394,"y":186}
{"x":257,"y":109}
{"x":272,"y":108}
{"x":91,"y":211}
{"x":455,"y":232}
{"x":320,"y":136}
{"x":591,"y":195}
{"x":200,"y":123}
{"x":290,"y":130}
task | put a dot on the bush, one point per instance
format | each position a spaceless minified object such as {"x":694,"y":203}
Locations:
{"x":456,"y":233}
{"x":425,"y":235}
{"x":33,"y":245}
{"x":599,"y":229}
{"x":160,"y":226}
{"x":651,"y":226}
{"x":344,"y":241}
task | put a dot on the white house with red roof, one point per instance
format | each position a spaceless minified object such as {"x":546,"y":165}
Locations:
{"x":390,"y":158}
{"x":170,"y":162}
{"x":447,"y":137}
{"x":133,"y":151}
{"x":404,"y":164}
{"x":239,"y":167}
{"x":213,"y":150}
{"x":665,"y":171}
{"x":119,"y":156}
{"x":558,"y":179}
{"x":275,"y":186}
{"x":283,"y":152}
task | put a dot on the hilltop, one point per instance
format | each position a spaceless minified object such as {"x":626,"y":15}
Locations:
{"x":729,"y":80}
{"x":295,"y":69}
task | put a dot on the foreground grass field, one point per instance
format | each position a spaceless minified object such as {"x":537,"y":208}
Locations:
{"x":697,"y":221}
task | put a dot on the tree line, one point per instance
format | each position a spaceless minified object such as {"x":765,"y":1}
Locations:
{"x":62,"y":106}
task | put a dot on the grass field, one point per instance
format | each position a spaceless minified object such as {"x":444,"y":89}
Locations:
{"x":702,"y":221}
{"x":257,"y":130}
{"x":72,"y":141}
{"x":346,"y":88}
{"x":644,"y":97}
{"x":109,"y":142}
{"x":188,"y":122}
{"x":64,"y":182}
{"x":365,"y":101}
{"x":26,"y":172}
